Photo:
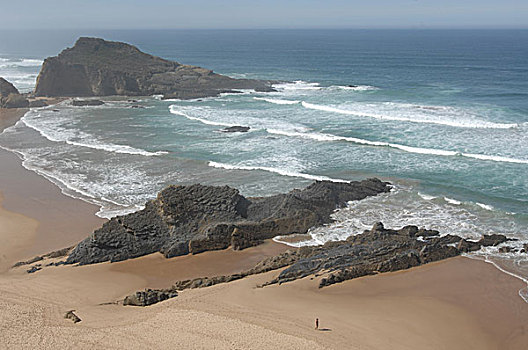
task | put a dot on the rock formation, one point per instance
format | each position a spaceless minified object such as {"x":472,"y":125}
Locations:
{"x":10,"y":97}
{"x":374,"y":251}
{"x":197,"y":218}
{"x":149,"y":297}
{"x":236,"y":128}
{"x":81,"y":103}
{"x":6,"y":88}
{"x":72,"y":316}
{"x":96,"y":67}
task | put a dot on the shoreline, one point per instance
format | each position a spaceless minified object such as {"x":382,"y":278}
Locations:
{"x":438,"y":305}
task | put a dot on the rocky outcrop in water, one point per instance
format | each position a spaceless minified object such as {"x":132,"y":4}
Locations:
{"x":236,"y":129}
{"x":82,"y":103}
{"x":197,"y":218}
{"x":96,"y":67}
{"x":10,"y":97}
{"x":374,"y":251}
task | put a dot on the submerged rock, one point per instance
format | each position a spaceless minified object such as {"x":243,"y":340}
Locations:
{"x":197,"y":218}
{"x":236,"y":129}
{"x":80,"y":103}
{"x":96,"y":67}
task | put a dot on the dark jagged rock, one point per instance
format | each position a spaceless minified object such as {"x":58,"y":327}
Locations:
{"x":375,"y":251}
{"x":149,"y":297}
{"x":197,"y":218}
{"x":378,"y":250}
{"x":34,"y":269}
{"x":70,"y":315}
{"x":236,"y":129}
{"x":96,"y":67}
{"x":52,"y":255}
{"x":82,"y":103}
{"x":10,"y":97}
{"x":6,"y":88}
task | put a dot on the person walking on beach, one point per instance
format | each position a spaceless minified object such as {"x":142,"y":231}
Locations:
{"x":316,"y":323}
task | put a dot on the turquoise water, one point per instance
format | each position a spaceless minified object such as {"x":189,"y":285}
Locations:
{"x":441,"y":114}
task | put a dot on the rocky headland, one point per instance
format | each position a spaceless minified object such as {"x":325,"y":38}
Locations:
{"x":198,"y":218}
{"x":96,"y":67}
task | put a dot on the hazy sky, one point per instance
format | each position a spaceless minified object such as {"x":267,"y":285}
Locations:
{"x":130,"y":14}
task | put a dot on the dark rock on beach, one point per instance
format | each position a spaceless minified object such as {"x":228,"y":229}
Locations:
{"x":149,"y":297}
{"x":193,"y":219}
{"x":236,"y":129}
{"x":374,"y":251}
{"x":82,"y":103}
{"x":70,"y":315}
{"x":96,"y":67}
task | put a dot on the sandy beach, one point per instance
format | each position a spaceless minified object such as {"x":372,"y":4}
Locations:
{"x":453,"y":304}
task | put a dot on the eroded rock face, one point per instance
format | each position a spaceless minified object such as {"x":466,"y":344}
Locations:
{"x":96,"y":67}
{"x":197,"y":218}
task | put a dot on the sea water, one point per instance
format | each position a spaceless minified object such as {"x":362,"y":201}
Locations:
{"x":442,"y":115}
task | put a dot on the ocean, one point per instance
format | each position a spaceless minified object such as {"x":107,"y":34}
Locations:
{"x":441,"y":114}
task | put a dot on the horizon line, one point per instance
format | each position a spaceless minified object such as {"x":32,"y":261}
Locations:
{"x":274,"y":28}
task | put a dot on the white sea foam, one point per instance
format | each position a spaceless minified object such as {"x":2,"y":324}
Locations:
{"x":452,"y":201}
{"x":279,"y":171}
{"x":480,"y":124}
{"x":404,"y":206}
{"x":426,"y":196}
{"x":410,"y":149}
{"x":485,"y":206}
{"x":26,"y":62}
{"x":174,"y":110}
{"x":277,"y":101}
{"x":297,"y":85}
{"x":58,"y":135}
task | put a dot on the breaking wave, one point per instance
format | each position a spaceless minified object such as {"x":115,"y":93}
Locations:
{"x":410,"y":149}
{"x":58,"y":135}
{"x":174,"y":110}
{"x":279,"y":171}
{"x":277,"y":101}
{"x":448,"y":122}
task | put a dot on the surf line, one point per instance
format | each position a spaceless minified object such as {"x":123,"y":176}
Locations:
{"x":418,"y":150}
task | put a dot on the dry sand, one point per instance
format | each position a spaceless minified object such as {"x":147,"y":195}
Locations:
{"x":453,"y":304}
